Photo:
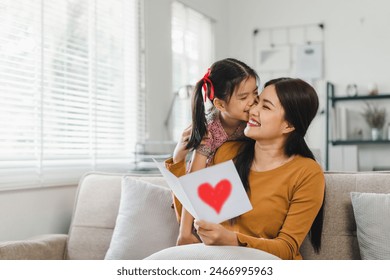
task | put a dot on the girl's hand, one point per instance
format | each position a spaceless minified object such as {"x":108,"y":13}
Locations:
{"x":187,"y":239}
{"x":180,"y":152}
{"x":215,"y":234}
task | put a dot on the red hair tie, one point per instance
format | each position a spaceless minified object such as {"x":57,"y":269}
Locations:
{"x":205,"y":80}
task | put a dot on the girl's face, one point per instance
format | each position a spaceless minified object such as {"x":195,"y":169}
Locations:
{"x":266,"y":117}
{"x":241,"y":100}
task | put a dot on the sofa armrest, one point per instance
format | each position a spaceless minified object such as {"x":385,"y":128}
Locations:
{"x":43,"y":247}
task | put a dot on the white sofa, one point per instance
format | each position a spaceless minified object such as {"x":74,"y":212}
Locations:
{"x":98,"y":201}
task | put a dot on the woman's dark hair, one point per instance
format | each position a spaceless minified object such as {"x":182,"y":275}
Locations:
{"x":223,"y":79}
{"x":300,"y":103}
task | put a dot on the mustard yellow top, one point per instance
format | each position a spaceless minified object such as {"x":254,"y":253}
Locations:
{"x":285,"y":202}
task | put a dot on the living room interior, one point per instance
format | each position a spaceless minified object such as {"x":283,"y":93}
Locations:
{"x":349,"y":72}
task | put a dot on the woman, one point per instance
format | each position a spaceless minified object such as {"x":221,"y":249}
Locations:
{"x":284,"y":183}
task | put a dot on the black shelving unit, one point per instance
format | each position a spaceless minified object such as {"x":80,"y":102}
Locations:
{"x":331,"y":101}
{"x":355,"y":98}
{"x":358,"y":142}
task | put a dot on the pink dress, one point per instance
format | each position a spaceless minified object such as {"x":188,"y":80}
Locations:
{"x":217,"y":136}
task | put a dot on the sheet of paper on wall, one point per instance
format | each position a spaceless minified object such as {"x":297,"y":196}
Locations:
{"x":274,"y":59}
{"x":309,"y":61}
{"x":214,"y":194}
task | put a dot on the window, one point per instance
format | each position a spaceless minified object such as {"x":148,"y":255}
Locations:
{"x":193,"y":53}
{"x":71,"y":89}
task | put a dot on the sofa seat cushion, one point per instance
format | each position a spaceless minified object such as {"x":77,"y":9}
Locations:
{"x":146,"y":223}
{"x":372,"y":211}
{"x":204,"y":252}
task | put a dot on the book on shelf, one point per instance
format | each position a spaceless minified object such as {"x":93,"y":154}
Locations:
{"x":348,"y":124}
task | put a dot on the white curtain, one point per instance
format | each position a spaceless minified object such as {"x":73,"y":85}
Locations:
{"x":71,"y":99}
{"x":193,"y":53}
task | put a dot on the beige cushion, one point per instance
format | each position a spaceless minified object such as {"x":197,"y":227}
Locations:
{"x":146,"y":222}
{"x":95,"y":213}
{"x":372,"y":212}
{"x":204,"y":252}
{"x":94,"y":216}
{"x":339,"y":239}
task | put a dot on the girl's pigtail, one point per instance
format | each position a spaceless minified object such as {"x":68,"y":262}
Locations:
{"x":199,"y":122}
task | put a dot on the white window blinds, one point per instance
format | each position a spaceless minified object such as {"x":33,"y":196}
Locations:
{"x":71,"y":98}
{"x":193,"y":53}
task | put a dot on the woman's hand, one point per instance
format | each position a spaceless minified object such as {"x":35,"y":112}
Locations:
{"x":215,"y":234}
{"x":180,"y":152}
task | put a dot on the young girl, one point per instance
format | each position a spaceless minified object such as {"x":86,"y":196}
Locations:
{"x":221,"y":103}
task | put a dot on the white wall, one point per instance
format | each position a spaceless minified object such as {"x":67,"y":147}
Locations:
{"x":357,"y":48}
{"x":356,"y":34}
{"x":26,"y":213}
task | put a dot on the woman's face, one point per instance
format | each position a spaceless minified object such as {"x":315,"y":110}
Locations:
{"x":242,"y":100}
{"x":266,"y":117}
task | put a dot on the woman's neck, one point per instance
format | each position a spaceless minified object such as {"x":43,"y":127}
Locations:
{"x":229,"y":125}
{"x":269,"y":156}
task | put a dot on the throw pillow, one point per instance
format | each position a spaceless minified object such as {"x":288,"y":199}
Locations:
{"x":146,"y":223}
{"x":204,"y":252}
{"x":372,"y":211}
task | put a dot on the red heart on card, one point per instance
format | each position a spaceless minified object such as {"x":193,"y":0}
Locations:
{"x":215,"y":197}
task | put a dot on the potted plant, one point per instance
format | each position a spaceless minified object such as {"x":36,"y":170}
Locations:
{"x":375,"y":118}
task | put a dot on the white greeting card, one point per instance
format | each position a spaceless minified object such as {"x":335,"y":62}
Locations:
{"x":214,"y":194}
